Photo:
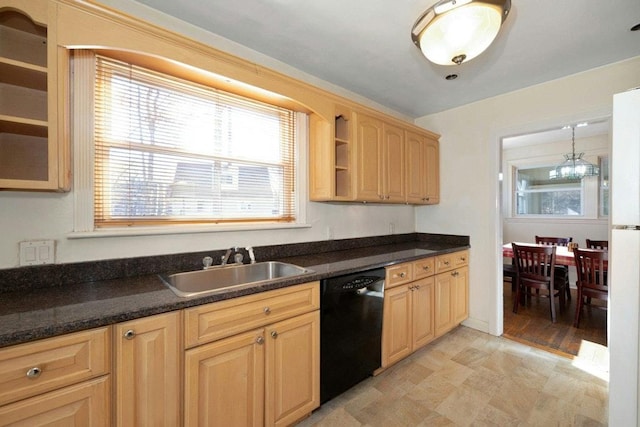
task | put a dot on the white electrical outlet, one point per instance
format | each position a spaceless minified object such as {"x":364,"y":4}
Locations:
{"x":36,"y":252}
{"x":392,"y":228}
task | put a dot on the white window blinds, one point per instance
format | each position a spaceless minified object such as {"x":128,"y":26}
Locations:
{"x":171,"y":151}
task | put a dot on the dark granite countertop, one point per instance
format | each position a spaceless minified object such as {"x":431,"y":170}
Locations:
{"x":28,"y":314}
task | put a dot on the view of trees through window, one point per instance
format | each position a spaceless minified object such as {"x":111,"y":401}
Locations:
{"x":536,"y":194}
{"x":167,"y":149}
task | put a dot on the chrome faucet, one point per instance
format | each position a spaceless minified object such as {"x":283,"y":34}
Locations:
{"x":227,"y":255}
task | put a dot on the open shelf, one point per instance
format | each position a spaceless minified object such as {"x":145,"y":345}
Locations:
{"x":24,"y":125}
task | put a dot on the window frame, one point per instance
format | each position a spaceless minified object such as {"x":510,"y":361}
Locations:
{"x":589,"y":188}
{"x":83,"y":66}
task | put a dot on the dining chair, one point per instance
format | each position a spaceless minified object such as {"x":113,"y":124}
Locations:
{"x":592,"y":278}
{"x":535,"y":269}
{"x":598,"y":244}
{"x":561,"y":271}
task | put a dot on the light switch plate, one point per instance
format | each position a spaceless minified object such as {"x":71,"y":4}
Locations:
{"x":37,"y":252}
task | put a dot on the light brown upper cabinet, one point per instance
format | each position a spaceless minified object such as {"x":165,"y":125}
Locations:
{"x":33,"y":155}
{"x":363,"y":157}
{"x":369,"y":159}
{"x":422,"y":169}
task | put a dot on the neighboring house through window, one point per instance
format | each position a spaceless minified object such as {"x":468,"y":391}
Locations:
{"x":170,"y":151}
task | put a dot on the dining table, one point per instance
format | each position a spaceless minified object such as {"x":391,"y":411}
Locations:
{"x":563,"y":255}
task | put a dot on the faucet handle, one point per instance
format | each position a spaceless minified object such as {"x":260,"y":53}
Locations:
{"x":252,"y":256}
{"x":207,"y":262}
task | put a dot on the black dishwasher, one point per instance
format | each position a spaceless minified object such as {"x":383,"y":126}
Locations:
{"x":350,"y":330}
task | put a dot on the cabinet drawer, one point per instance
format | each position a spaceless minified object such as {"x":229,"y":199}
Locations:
{"x":450,"y":261}
{"x":34,"y":368}
{"x":398,"y":274}
{"x":424,"y":268}
{"x":225,"y":318}
{"x":82,"y":405}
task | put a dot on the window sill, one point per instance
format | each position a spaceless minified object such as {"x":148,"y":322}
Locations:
{"x":179,"y":229}
{"x":556,"y":219}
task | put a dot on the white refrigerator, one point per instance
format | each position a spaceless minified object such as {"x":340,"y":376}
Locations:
{"x":624,"y":261}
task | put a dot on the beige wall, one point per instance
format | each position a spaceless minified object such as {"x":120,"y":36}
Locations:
{"x":470,"y":155}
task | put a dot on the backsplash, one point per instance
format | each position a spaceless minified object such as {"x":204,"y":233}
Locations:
{"x":52,"y":275}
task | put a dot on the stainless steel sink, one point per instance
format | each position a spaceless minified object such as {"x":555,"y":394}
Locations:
{"x":232,"y":276}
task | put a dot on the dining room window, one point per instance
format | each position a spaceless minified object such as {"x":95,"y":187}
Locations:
{"x":536,"y":194}
{"x":171,"y":151}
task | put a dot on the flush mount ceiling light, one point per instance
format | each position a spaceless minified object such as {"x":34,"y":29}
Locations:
{"x":574,"y":166}
{"x":453,"y":31}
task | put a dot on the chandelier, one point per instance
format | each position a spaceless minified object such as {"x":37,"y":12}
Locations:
{"x":453,"y":31}
{"x":574,"y":166}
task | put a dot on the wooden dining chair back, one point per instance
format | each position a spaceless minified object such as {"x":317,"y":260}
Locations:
{"x":561,"y":271}
{"x":591,"y":265}
{"x":535,"y":269}
{"x":555,"y":241}
{"x":598,"y":244}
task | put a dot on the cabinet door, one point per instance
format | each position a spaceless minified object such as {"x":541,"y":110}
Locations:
{"x":461,"y":294}
{"x":292,"y":369}
{"x":443,"y":303}
{"x":422,"y":304}
{"x":82,"y":405}
{"x":393,"y":173}
{"x":415,"y":167}
{"x":224,"y":382}
{"x":369,"y":155}
{"x":396,"y":329}
{"x":147,"y":371}
{"x":432,"y":172}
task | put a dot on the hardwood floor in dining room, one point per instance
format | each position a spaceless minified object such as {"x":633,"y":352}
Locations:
{"x":532,"y":324}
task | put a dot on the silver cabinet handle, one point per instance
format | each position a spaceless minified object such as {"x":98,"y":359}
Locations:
{"x":446,"y":263}
{"x":455,"y":274}
{"x":425,"y":268}
{"x":34,"y":372}
{"x":274,"y":334}
{"x":130,"y":334}
{"x":403,"y":274}
{"x":260,"y":340}
{"x":266,"y":310}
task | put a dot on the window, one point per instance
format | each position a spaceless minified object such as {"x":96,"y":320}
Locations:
{"x":171,"y":151}
{"x":536,"y":194}
{"x":603,"y":185}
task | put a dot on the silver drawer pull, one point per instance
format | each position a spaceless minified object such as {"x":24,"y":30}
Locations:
{"x":274,"y":334}
{"x":426,"y":268}
{"x":260,"y":340}
{"x":130,"y":334}
{"x":446,"y":263}
{"x":266,"y":310}
{"x":403,"y":274}
{"x":34,"y":372}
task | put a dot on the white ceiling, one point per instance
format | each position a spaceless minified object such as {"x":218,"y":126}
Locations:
{"x":365,"y":45}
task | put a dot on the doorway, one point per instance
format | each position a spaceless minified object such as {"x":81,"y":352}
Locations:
{"x":539,"y":206}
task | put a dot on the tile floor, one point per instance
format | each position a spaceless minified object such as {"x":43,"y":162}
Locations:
{"x":469,"y":378}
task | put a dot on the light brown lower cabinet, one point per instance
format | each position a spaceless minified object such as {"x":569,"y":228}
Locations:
{"x":60,"y":381}
{"x":408,"y":320}
{"x":267,"y":376}
{"x":452,"y":292}
{"x":253,"y":360}
{"x":147,"y":371}
{"x":419,"y":307}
